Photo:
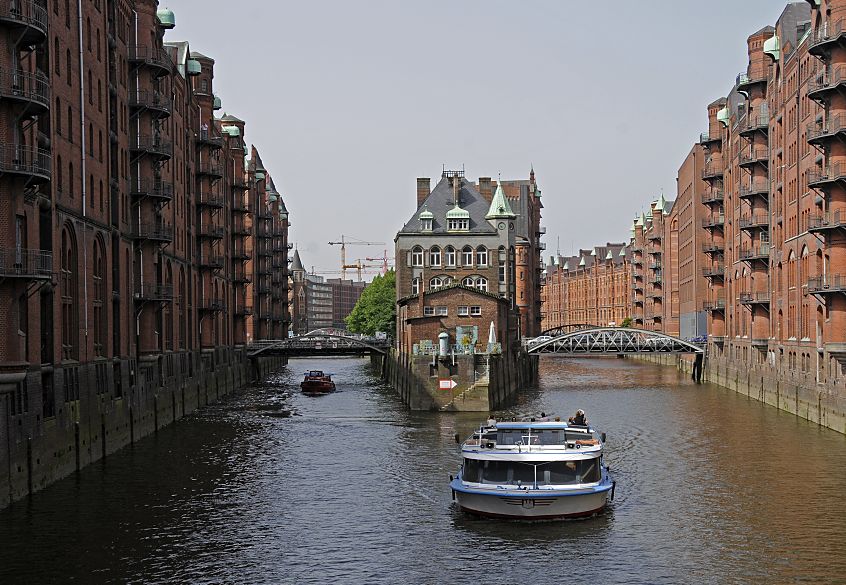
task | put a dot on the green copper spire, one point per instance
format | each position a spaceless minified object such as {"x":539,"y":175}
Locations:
{"x":500,"y":208}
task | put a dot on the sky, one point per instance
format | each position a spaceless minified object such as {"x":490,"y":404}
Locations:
{"x":349,"y":102}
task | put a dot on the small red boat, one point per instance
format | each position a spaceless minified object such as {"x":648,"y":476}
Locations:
{"x":317,"y":382}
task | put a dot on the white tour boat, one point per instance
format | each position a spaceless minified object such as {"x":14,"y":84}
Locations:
{"x":533,"y":469}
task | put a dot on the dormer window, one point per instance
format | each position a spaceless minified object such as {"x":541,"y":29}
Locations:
{"x":426,"y":225}
{"x":458,"y":225}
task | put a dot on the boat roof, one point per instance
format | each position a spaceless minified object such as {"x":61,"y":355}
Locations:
{"x":538,"y":425}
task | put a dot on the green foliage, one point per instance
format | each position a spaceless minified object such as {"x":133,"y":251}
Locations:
{"x":376,"y":309}
{"x":627,"y":322}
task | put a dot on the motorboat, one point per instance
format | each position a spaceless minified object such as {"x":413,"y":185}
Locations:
{"x":533,"y":469}
{"x":317,"y":382}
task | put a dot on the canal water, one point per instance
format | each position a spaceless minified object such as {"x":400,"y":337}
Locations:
{"x":272,"y":486}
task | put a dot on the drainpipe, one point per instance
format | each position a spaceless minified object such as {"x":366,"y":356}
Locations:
{"x":84,"y":173}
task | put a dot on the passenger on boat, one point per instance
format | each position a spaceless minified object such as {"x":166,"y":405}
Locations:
{"x":580,"y":419}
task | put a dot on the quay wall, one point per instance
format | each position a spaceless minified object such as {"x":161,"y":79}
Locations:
{"x":484,"y":382}
{"x":112,"y":407}
{"x":795,"y":392}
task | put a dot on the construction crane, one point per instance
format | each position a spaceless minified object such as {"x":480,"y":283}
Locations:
{"x":358,"y":266}
{"x":351,"y":241}
{"x":384,"y":260}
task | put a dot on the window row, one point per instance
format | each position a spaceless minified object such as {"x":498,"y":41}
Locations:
{"x":479,"y":282}
{"x":449,"y":256}
{"x":443,"y":311}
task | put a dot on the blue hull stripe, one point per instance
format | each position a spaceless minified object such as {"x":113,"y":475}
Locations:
{"x":458,"y":486}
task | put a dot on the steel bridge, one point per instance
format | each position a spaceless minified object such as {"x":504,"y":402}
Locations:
{"x":320,"y":342}
{"x":615,"y":341}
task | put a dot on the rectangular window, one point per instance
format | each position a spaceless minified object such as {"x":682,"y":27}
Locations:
{"x":476,"y":311}
{"x":463,"y":311}
{"x":441,"y":310}
{"x":428,"y":311}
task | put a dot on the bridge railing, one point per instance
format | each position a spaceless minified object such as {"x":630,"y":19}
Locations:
{"x":614,"y":340}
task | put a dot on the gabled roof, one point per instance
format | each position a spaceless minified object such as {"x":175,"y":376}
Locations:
{"x":230,"y":118}
{"x":440,"y":202}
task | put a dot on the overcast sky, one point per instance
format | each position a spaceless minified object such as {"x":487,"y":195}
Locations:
{"x":350,"y":101}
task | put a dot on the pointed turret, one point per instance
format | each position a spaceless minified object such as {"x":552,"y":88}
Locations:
{"x":500,"y":208}
{"x":296,"y":263}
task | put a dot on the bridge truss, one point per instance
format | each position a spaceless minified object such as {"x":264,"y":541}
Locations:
{"x":615,"y":340}
{"x":318,"y":342}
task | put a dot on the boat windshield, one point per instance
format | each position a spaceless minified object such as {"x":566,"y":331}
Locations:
{"x":546,"y":473}
{"x":541,"y":436}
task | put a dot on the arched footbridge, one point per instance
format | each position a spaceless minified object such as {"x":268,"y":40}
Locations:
{"x":320,"y":342}
{"x":612,"y":340}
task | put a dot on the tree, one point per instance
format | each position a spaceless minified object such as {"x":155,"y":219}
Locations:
{"x":627,"y":322}
{"x":376,"y":309}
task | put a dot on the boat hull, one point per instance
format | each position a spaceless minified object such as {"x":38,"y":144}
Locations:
{"x":317,"y":387}
{"x":530,"y":505}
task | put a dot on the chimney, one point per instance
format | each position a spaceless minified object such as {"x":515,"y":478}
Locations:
{"x":422,"y":190}
{"x":485,"y":188}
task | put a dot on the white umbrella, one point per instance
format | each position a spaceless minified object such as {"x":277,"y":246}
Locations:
{"x":492,"y":334}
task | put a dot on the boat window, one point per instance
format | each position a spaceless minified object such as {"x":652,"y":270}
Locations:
{"x":538,"y":437}
{"x":577,"y":436}
{"x":495,"y":471}
{"x":472,"y":470}
{"x":524,"y":473}
{"x":569,"y":472}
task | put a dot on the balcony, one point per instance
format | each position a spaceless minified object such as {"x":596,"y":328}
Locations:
{"x":207,"y":139}
{"x":243,"y":310}
{"x":821,"y":87}
{"x":240,"y":206}
{"x":154,"y":58}
{"x":33,"y":164}
{"x":826,"y":222}
{"x":240,"y":183}
{"x":825,"y":38}
{"x":264,"y":270}
{"x":264,"y":213}
{"x":211,"y":200}
{"x":829,"y":284}
{"x":152,"y":101}
{"x":713,"y":195}
{"x":755,"y":298}
{"x":263,"y":289}
{"x":212,"y":305}
{"x":714,"y":221}
{"x":151,"y":145}
{"x":29,"y":91}
{"x":156,"y":232}
{"x":264,"y":251}
{"x":26,"y":18}
{"x":707,"y":139}
{"x":824,"y":179}
{"x":152,"y":188}
{"x":211,"y":262}
{"x":241,"y":277}
{"x":637,"y":261}
{"x":26,"y":264}
{"x":761,"y":252}
{"x":153,"y":292}
{"x":241,"y":255}
{"x":239,"y":229}
{"x":714,"y":305}
{"x":655,"y":265}
{"x":656,"y":295}
{"x":211,"y":232}
{"x":821,"y":133}
{"x":713,"y":247}
{"x":745,"y":81}
{"x":714,"y":271}
{"x":754,"y":189}
{"x":712,"y":171}
{"x":756,"y":122}
{"x":756,"y":221}
{"x":752,"y":156}
{"x":210,"y":169}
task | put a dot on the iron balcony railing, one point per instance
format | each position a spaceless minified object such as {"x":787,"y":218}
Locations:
{"x":153,"y":291}
{"x":241,"y":277}
{"x":243,"y":310}
{"x":210,"y":169}
{"x":717,"y":270}
{"x":752,"y":298}
{"x":754,"y":188}
{"x":718,"y":304}
{"x":211,"y":261}
{"x":212,"y":231}
{"x":714,"y":195}
{"x":239,"y":229}
{"x":754,"y":155}
{"x":26,"y":263}
{"x":827,"y":221}
{"x":712,"y":170}
{"x":830,"y":283}
{"x":206,"y":138}
{"x":830,"y":174}
{"x":29,"y":13}
{"x":825,"y":36}
{"x":152,"y":100}
{"x":152,"y":145}
{"x":212,"y":304}
{"x":241,"y":255}
{"x":152,"y":57}
{"x":758,"y":252}
{"x":25,"y":160}
{"x":756,"y":75}
{"x":754,"y":122}
{"x":835,"y":124}
{"x":706,"y":138}
{"x":757,"y":220}
{"x":25,"y":87}
{"x":151,"y":188}
{"x":714,"y":221}
{"x":713,"y":247}
{"x":153,"y":231}
{"x":240,"y":206}
{"x":208,"y":199}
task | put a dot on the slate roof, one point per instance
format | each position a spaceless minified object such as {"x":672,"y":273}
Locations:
{"x":296,"y":263}
{"x":440,"y":201}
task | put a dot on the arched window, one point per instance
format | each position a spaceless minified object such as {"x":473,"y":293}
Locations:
{"x":56,"y":59}
{"x":166,"y":309}
{"x":68,"y":67}
{"x":100,"y":94}
{"x":468,"y":281}
{"x":481,"y":256}
{"x":435,"y":256}
{"x":446,"y":280}
{"x":417,"y":256}
{"x":467,"y":256}
{"x":449,"y":256}
{"x":99,"y":300}
{"x":501,"y":256}
{"x":435,"y":283}
{"x":59,"y":171}
{"x":70,"y":180}
{"x":482,"y":283}
{"x":58,"y":115}
{"x":88,"y":33}
{"x":415,"y":286}
{"x":180,"y":307}
{"x":70,"y":124}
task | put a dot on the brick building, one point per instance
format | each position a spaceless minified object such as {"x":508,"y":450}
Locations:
{"x":469,"y":234}
{"x":128,"y":233}
{"x":311,"y":299}
{"x":345,"y":294}
{"x":591,"y":288}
